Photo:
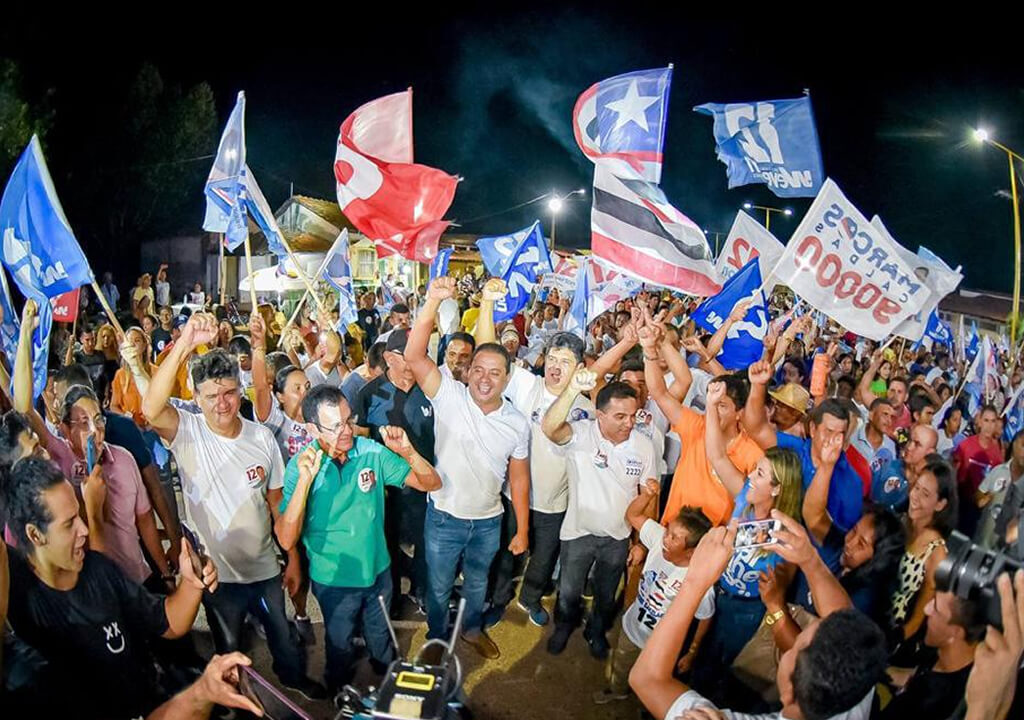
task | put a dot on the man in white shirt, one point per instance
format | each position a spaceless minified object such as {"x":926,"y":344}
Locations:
{"x":231,"y":473}
{"x":829,"y":672}
{"x":479,"y":439}
{"x":607,"y":459}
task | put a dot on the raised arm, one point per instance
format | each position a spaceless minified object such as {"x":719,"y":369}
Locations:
{"x":494,"y":290}
{"x":422,"y":475}
{"x":682,"y":378}
{"x":23,"y":358}
{"x":715,"y":442}
{"x":262,"y":401}
{"x":654,"y":377}
{"x":795,"y":546}
{"x":428,"y":377}
{"x":201,"y":328}
{"x":863,"y":395}
{"x":288,"y":525}
{"x":718,"y":339}
{"x":652,"y":677}
{"x":639,"y":510}
{"x":554,"y":423}
{"x":607,"y":362}
{"x":755,"y":416}
{"x":815,"y":507}
{"x":182,"y":605}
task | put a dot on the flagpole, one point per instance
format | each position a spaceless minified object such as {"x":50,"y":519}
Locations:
{"x":248,"y":267}
{"x":302,"y":301}
{"x":71,"y":343}
{"x":302,"y":274}
{"x":222,"y":275}
{"x":106,"y":308}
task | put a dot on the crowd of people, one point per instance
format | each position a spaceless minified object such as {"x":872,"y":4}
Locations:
{"x":425,"y":452}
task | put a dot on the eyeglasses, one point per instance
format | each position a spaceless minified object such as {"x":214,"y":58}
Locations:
{"x":98,"y":422}
{"x":337,"y":429}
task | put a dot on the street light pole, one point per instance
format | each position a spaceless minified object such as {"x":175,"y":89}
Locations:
{"x":768,"y":213}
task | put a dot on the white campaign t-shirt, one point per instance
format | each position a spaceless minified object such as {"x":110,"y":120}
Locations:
{"x":659,"y":584}
{"x":291,"y":436}
{"x":225,"y":483}
{"x":603,"y":480}
{"x":473,"y":450}
{"x":696,"y":397}
{"x":549,"y":483}
{"x":647,"y":424}
{"x":691,"y":699}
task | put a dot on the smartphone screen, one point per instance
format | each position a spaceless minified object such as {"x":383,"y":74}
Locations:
{"x":757,"y":533}
{"x":90,"y":454}
{"x":198,"y":551}
{"x":275,"y":705}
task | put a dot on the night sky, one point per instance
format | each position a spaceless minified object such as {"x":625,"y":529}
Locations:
{"x":494,"y":91}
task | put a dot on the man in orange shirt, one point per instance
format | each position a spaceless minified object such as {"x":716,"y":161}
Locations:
{"x":694,"y":482}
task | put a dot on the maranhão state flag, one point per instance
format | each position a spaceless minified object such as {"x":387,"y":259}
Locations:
{"x":390,"y":199}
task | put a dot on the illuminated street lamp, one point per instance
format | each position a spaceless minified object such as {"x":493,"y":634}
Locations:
{"x":555,"y":205}
{"x":788,"y":212}
{"x":982,"y":136}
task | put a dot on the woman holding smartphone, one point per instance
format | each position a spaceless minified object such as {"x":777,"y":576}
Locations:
{"x":775,"y":483}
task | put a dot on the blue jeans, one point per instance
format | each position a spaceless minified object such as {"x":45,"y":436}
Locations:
{"x":448,"y":540}
{"x":344,"y":608}
{"x":226,"y":609}
{"x":736,"y":620}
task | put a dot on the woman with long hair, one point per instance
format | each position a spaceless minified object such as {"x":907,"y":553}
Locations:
{"x":880,"y":385}
{"x":775,"y":484}
{"x":126,"y":398}
{"x":931,"y":516}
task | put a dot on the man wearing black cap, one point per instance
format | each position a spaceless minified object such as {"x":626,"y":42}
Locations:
{"x":395,"y":399}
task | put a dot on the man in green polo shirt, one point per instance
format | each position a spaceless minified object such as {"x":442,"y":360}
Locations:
{"x":334,"y":502}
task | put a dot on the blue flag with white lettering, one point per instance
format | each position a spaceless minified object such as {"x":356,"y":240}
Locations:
{"x":973,"y":342}
{"x":744,"y":343}
{"x":226,"y":190}
{"x":10,"y":326}
{"x":39,"y":248}
{"x":773,"y":142}
{"x":338,"y":272}
{"x":439,"y":265}
{"x":518,"y":259}
{"x":576,"y":323}
{"x":937,"y":330}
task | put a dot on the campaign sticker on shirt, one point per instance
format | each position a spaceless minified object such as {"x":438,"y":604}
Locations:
{"x":601,"y":460}
{"x":892,"y":484}
{"x":643,"y":417}
{"x":254,"y":475}
{"x":634,"y":466}
{"x":367,"y":479}
{"x":577,"y":414}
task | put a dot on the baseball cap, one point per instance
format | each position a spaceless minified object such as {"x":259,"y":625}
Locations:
{"x":397,"y":340}
{"x":179,"y":321}
{"x":792,"y":395}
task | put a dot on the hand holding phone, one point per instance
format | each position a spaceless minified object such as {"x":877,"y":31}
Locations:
{"x":757,"y":533}
{"x":272,"y":702}
{"x":197,"y":557}
{"x":90,"y":453}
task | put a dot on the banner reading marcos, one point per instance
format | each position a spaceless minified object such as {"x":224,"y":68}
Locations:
{"x":841,"y":265}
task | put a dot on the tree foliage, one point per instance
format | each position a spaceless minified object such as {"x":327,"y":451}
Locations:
{"x":19,"y":118}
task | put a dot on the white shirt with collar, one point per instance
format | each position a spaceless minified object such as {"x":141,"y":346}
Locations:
{"x":691,"y":699}
{"x":549,"y":483}
{"x":603,"y":480}
{"x":473,"y":449}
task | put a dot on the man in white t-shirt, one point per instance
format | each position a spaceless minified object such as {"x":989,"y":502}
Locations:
{"x":830,"y":671}
{"x":479,"y":440}
{"x":669,"y":552}
{"x":231,"y":475}
{"x":607,"y":459}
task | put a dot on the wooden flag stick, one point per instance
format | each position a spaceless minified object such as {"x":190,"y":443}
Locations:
{"x":106,"y":308}
{"x":302,"y":274}
{"x":71,"y":345}
{"x":295,"y":313}
{"x":222,"y":272}
{"x":248,"y":267}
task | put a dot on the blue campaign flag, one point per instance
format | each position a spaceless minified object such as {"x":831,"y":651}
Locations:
{"x":338,"y":273}
{"x":10,"y":326}
{"x":744,"y":343}
{"x":1014,"y":414}
{"x":622,"y":120}
{"x":225,"y":187}
{"x":773,"y":142}
{"x":972,"y":342}
{"x":518,"y":259}
{"x":257,"y":207}
{"x":39,"y":247}
{"x":578,"y":312}
{"x":937,"y":330}
{"x":439,"y":265}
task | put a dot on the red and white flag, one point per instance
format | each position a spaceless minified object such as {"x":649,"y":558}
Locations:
{"x":635,"y":230}
{"x":65,"y":306}
{"x":391,"y":200}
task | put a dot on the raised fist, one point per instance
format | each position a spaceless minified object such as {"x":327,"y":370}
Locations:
{"x":760,"y":373}
{"x":309,"y":462}
{"x":583,"y":381}
{"x":494,"y":290}
{"x":396,"y":440}
{"x":442,"y":288}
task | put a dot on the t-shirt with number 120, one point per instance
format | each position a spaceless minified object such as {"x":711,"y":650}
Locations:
{"x":659,"y":584}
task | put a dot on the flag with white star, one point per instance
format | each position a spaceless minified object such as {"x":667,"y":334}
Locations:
{"x":622,"y":120}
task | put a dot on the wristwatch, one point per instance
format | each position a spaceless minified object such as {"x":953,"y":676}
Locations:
{"x":772,"y":618}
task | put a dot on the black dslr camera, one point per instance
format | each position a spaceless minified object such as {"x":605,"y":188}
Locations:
{"x":970,"y":573}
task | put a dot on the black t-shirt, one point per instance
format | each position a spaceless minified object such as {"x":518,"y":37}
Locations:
{"x":929,"y":694}
{"x":98,"y":367}
{"x":123,"y":432}
{"x":368,"y":320}
{"x":159,"y":339}
{"x":381,"y":403}
{"x":94,"y":636}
